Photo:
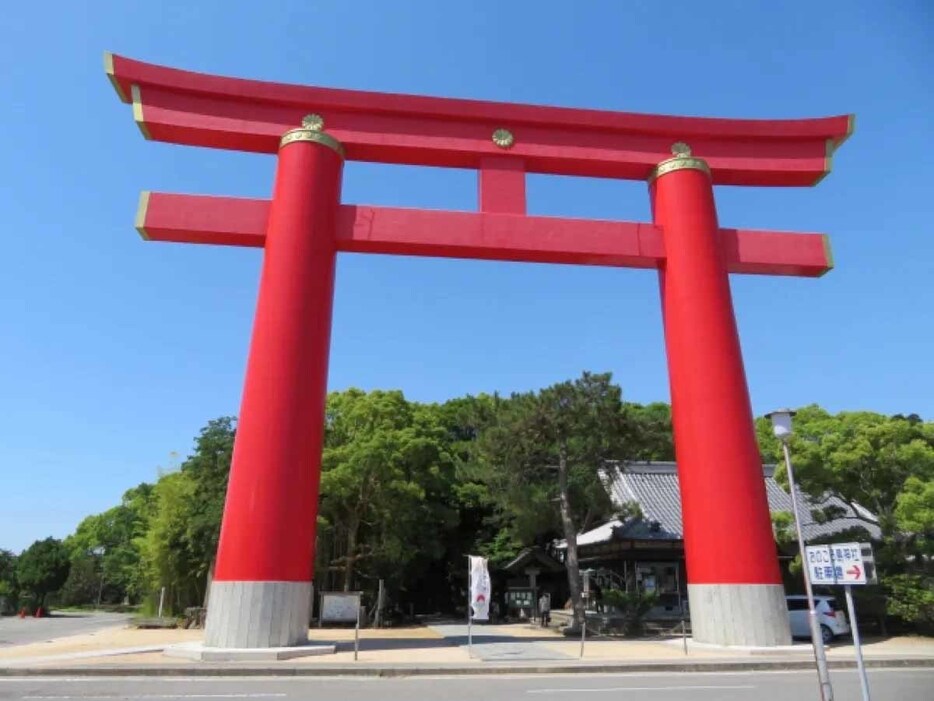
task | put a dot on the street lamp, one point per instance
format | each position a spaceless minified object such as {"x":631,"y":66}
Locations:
{"x":781,"y":427}
{"x":99,"y":551}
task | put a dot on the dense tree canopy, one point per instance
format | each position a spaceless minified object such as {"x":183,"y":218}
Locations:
{"x":8,"y":585}
{"x":862,"y":457}
{"x":108,"y":542}
{"x":544,"y":450}
{"x":881,"y":463}
{"x":385,"y":486}
{"x":42,"y":568}
{"x":408,"y":489}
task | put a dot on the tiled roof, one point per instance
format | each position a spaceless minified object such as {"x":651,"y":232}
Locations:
{"x":530,"y":557}
{"x":654,"y":488}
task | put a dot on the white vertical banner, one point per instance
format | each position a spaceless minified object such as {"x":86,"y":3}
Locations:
{"x":479,"y":588}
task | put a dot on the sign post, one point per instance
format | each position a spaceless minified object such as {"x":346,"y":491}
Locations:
{"x":846,"y":564}
{"x":583,"y":634}
{"x":851,"y":610}
{"x":356,"y":633}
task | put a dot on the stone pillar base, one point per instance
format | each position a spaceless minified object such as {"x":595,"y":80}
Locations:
{"x":258,"y":614}
{"x":748,"y":615}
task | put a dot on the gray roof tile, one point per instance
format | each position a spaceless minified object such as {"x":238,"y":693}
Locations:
{"x":654,"y":487}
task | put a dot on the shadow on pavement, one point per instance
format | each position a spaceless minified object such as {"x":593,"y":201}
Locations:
{"x":437,"y":643}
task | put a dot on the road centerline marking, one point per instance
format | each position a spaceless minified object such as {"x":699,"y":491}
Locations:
{"x":695,"y":687}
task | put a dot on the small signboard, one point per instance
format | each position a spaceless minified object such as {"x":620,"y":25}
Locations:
{"x":339,"y":607}
{"x":837,"y":563}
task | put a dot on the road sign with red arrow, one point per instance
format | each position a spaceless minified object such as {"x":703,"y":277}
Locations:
{"x":836,"y":563}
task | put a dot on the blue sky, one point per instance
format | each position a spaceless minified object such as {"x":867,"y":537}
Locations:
{"x":114,"y":353}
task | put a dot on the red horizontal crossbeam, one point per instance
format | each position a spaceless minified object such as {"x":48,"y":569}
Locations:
{"x":249,"y":115}
{"x":508,"y":237}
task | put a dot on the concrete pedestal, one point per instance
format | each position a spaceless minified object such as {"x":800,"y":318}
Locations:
{"x":200,"y":653}
{"x":258,"y":614}
{"x":747,"y":615}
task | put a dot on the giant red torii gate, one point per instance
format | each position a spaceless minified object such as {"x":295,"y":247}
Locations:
{"x":262,"y":583}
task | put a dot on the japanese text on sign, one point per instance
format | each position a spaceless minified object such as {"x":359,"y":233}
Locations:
{"x":837,"y":563}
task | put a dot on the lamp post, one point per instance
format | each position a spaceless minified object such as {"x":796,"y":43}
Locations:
{"x":781,"y":427}
{"x":99,"y":552}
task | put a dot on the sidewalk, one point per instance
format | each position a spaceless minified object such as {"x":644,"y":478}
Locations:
{"x":439,"y":649}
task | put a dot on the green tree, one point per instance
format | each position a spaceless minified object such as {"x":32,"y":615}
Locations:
{"x":84,"y":581}
{"x":209,"y":468}
{"x":881,"y":463}
{"x":117,"y":531}
{"x":385,"y":485}
{"x":176,"y":523}
{"x":862,"y":457}
{"x":166,"y":557}
{"x":649,"y":427}
{"x":43,"y":568}
{"x":480,"y":527}
{"x":8,"y":585}
{"x":543,"y":457}
{"x":914,"y":507}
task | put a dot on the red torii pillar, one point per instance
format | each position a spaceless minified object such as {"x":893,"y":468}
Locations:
{"x":262,"y":578}
{"x":719,"y":467}
{"x":261,"y":591}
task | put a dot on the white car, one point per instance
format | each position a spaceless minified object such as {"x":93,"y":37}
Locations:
{"x":831,"y":617}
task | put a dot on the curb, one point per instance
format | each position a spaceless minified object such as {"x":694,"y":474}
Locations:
{"x":219,"y":670}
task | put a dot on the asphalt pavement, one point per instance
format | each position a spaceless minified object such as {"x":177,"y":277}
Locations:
{"x":491,"y":645}
{"x":886,"y":685}
{"x":20,"y":631}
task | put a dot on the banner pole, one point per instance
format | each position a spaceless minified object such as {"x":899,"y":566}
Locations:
{"x":469,"y":607}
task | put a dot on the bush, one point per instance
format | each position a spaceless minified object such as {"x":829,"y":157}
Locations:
{"x":633,"y":607}
{"x":911,"y":599}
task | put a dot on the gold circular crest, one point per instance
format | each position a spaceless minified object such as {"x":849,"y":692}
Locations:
{"x":679,"y":148}
{"x":503,"y":138}
{"x":315,"y":122}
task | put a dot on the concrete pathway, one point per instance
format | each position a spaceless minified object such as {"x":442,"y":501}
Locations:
{"x":22,"y":631}
{"x":501,"y":643}
{"x":440,"y":649}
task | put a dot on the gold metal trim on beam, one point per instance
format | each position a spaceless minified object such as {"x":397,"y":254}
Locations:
{"x":138,"y":110}
{"x":679,"y":162}
{"x":142,"y":209}
{"x":109,"y":69}
{"x":319,"y":137}
{"x":832,"y":147}
{"x":828,"y":254}
{"x":828,"y":161}
{"x":850,"y":128}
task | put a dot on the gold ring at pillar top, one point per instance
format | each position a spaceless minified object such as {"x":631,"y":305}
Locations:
{"x":680,"y":162}
{"x":318,"y":137}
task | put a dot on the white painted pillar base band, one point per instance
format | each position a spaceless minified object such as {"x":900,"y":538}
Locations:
{"x":749,"y":615}
{"x":258,"y":614}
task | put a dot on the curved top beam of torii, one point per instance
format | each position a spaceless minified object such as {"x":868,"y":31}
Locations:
{"x":249,"y":115}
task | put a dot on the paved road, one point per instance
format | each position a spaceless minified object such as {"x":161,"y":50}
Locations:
{"x":887,"y":685}
{"x":20,"y":631}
